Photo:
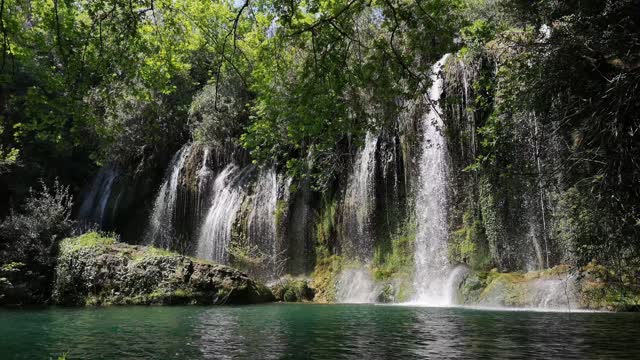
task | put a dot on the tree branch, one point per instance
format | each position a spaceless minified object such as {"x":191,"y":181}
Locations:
{"x":325,"y":20}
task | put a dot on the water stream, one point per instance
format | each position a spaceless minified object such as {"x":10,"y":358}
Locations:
{"x":161,"y":231}
{"x":359,"y":202}
{"x":227,"y":194}
{"x":431,"y":263}
{"x":94,"y":206}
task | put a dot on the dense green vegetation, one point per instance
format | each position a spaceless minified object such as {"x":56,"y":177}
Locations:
{"x":298,"y":84}
{"x":564,"y":78}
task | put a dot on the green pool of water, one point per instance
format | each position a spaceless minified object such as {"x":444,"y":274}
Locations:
{"x":305,"y":331}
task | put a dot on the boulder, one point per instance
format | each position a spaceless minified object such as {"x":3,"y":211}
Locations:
{"x":97,"y":270}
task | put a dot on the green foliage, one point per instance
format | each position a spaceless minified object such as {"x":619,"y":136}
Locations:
{"x":479,"y":33}
{"x":317,"y":79}
{"x":604,"y":287}
{"x":325,"y":274}
{"x":246,"y":256}
{"x":6,"y":272}
{"x":89,"y":239}
{"x":327,"y":223}
{"x":468,"y":244}
{"x":562,"y":73}
{"x":218,"y":114}
{"x":8,"y":156}
{"x":281,"y":210}
{"x":12,"y":266}
{"x":293,"y":290}
{"x":31,"y":236}
{"x":398,"y":262}
{"x":299,"y":84}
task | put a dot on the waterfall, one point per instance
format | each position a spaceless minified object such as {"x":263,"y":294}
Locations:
{"x":162,"y":223}
{"x":359,"y":202}
{"x":204,"y":176}
{"x":94,"y":205}
{"x":262,"y":226}
{"x":200,"y":210}
{"x":552,"y":293}
{"x":356,"y":286}
{"x":454,"y":279}
{"x":535,"y":290}
{"x":431,"y":263}
{"x":226,"y":198}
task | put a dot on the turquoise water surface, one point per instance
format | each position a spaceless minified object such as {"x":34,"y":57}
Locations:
{"x":311,"y":331}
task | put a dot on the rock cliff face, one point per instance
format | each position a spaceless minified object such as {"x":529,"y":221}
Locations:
{"x":95,"y":270}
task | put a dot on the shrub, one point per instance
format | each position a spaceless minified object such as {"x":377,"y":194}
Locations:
{"x":31,"y":235}
{"x":293,"y":290}
{"x":218,"y":114}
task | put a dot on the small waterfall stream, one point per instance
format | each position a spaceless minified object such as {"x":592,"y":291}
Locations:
{"x":94,"y":206}
{"x":161,"y":226}
{"x":431,"y":263}
{"x":262,"y":226}
{"x":243,"y":203}
{"x":201,"y":210}
{"x":359,"y":202}
{"x":204,"y":175}
{"x":226,"y":195}
{"x":356,"y":286}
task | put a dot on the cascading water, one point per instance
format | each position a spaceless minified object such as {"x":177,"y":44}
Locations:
{"x":233,"y":190}
{"x":161,"y":226}
{"x":204,"y":175}
{"x":431,"y":263}
{"x":356,"y":286}
{"x":93,"y":208}
{"x":359,"y":202}
{"x":226,"y":198}
{"x":262,"y":224}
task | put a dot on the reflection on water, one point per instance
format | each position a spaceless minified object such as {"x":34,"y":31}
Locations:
{"x":227,"y":333}
{"x":289,"y":331}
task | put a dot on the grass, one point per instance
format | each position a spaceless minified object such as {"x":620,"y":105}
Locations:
{"x":90,"y":239}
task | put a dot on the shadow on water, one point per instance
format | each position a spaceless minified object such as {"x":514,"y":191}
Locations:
{"x":313,"y":331}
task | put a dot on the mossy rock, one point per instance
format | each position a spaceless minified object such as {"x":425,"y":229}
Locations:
{"x":293,"y":290}
{"x":505,"y":289}
{"x":325,"y":275}
{"x":97,"y":270}
{"x":387,"y":294}
{"x":601,"y":288}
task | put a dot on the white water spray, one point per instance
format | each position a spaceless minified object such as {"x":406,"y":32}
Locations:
{"x":356,"y":286}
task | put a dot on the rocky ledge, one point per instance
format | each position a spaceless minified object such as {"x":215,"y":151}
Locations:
{"x":97,"y":270}
{"x":592,"y":287}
